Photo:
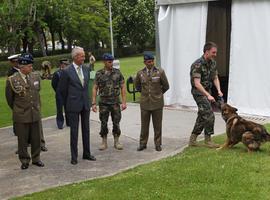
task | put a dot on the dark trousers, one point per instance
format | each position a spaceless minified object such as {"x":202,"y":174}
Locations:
{"x":28,"y":132}
{"x":74,"y":128}
{"x":59,"y":113}
{"x":206,"y":118}
{"x":42,"y":139}
{"x":104,"y":112}
{"x":157,"y":124}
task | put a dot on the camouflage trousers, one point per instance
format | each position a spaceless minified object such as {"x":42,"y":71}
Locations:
{"x":205,"y":118}
{"x":104,"y":111}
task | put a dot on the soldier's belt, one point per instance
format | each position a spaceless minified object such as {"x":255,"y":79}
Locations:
{"x":108,"y":97}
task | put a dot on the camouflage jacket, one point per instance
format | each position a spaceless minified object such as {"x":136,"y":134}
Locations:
{"x":23,"y":97}
{"x":109,"y":85}
{"x":204,"y":70}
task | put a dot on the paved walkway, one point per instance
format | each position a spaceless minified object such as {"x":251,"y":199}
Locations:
{"x":177,"y":125}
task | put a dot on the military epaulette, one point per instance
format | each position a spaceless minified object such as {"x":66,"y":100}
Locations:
{"x":13,"y":75}
{"x":15,"y":83}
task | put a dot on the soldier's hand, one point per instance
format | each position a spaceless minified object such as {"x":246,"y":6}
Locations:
{"x":220,"y":94}
{"x":123,"y":106}
{"x":211,"y":98}
{"x":94,"y":108}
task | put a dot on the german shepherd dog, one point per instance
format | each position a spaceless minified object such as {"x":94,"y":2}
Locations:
{"x":238,"y":129}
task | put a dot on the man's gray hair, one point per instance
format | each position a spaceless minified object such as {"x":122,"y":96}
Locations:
{"x":75,"y":51}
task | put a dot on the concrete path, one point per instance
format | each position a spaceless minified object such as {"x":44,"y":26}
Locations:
{"x":177,"y":125}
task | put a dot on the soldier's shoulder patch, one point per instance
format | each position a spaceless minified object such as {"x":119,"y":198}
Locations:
{"x":197,"y":65}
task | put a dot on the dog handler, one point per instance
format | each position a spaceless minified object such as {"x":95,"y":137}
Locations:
{"x":203,"y":74}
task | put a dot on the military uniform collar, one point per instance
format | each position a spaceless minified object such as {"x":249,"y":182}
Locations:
{"x":22,"y":75}
{"x":16,"y":68}
{"x":204,"y":62}
{"x":104,"y":70}
{"x":154,"y":68}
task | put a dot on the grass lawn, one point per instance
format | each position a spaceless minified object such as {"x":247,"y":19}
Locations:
{"x":198,"y":173}
{"x":129,"y":67}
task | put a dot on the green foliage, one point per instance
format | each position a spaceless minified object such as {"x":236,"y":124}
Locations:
{"x":134,"y":22}
{"x":197,"y":173}
{"x":86,"y":23}
{"x":83,"y":23}
{"x":28,"y":23}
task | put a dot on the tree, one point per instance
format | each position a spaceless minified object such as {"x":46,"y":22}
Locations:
{"x":28,"y":22}
{"x":86,"y":23}
{"x":134,"y":22}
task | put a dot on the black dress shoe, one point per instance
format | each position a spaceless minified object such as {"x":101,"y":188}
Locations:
{"x":39,"y":164}
{"x":43,"y":148}
{"x":141,"y":148}
{"x":90,"y":157}
{"x":158,"y":148}
{"x":74,"y":162}
{"x":24,"y":166}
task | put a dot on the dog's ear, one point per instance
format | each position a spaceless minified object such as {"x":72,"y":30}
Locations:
{"x":235,"y":109}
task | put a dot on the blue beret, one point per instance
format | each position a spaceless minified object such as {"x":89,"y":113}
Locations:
{"x":148,"y":56}
{"x":107,"y":56}
{"x":26,"y":59}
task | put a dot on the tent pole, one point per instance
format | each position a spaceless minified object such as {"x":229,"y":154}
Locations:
{"x":157,"y":36}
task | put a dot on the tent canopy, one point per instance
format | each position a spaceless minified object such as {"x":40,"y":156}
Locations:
{"x":168,"y":2}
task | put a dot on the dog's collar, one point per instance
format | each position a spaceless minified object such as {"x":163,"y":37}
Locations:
{"x":231,"y":118}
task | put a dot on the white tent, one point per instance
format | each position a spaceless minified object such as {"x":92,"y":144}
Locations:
{"x":241,"y":28}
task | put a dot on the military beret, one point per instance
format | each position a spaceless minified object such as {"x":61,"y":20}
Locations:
{"x":14,"y":57}
{"x":107,"y":56}
{"x":26,"y":59}
{"x":64,"y":61}
{"x":148,"y":56}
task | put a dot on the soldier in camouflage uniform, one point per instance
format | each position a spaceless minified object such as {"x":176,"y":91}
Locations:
{"x":22,"y":94}
{"x":109,"y":82}
{"x":203,"y":74}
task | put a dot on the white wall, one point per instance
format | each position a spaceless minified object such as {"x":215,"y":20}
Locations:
{"x":249,"y":80}
{"x":182,"y":30}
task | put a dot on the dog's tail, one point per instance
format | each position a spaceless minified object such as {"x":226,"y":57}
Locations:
{"x":266,"y":135}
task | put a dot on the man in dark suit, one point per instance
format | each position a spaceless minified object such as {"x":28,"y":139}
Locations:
{"x":73,"y":87}
{"x":58,"y":99}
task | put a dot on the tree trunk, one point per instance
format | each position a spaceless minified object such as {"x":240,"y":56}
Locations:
{"x":69,"y":41}
{"x":53,"y":38}
{"x":31,"y":46}
{"x":45,"y":40}
{"x":25,"y":41}
{"x":61,"y":39}
{"x":40,"y":37}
